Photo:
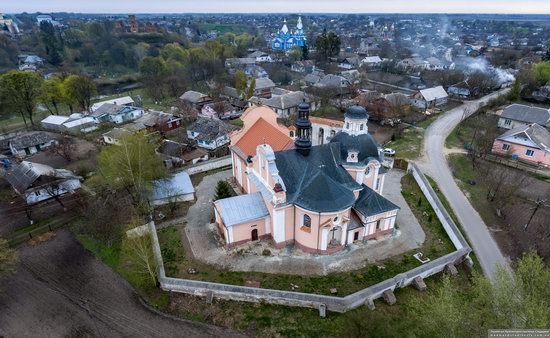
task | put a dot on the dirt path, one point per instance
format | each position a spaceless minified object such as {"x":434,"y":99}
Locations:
{"x":61,"y":290}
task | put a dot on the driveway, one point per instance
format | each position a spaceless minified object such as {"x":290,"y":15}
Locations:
{"x":206,"y":244}
{"x":61,"y":290}
{"x":434,"y":163}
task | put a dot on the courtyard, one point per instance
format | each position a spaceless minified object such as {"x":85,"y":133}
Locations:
{"x":206,"y":245}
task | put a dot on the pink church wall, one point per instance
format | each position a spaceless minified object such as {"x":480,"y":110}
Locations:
{"x":243,"y":232}
{"x":518,"y":149}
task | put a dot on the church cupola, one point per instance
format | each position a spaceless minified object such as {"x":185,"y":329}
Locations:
{"x":303,"y":129}
{"x":355,"y":121}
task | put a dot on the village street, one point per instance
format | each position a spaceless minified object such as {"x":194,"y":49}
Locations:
{"x":434,"y":163}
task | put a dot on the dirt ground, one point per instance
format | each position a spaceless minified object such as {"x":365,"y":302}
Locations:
{"x":61,"y":290}
{"x":83,"y":157}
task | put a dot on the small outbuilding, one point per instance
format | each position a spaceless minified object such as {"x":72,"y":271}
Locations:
{"x":176,"y":188}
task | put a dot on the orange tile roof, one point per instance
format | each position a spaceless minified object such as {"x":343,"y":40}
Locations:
{"x":328,"y":122}
{"x":263,"y":132}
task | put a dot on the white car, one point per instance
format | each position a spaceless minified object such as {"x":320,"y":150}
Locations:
{"x":388,"y":151}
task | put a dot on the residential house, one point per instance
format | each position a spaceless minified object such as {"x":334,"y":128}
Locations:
{"x":260,"y":56}
{"x":114,"y":135}
{"x":234,"y":98}
{"x":529,"y":143}
{"x":434,"y":64}
{"x":113,"y":113}
{"x":520,"y":115}
{"x":221,"y":109}
{"x":353,"y":76}
{"x":305,"y":66}
{"x":210,"y":133}
{"x":177,"y":154}
{"x":177,"y":188}
{"x":430,"y":97}
{"x":323,"y":129}
{"x":29,"y":143}
{"x":119,"y":101}
{"x":264,"y":87}
{"x":412,"y":64}
{"x":36,"y":182}
{"x":314,"y":77}
{"x":255,"y":71}
{"x":195,"y":99}
{"x":285,"y":104}
{"x":542,"y":94}
{"x":160,"y":121}
{"x":349,"y":63}
{"x":371,"y":62}
{"x":318,"y":198}
{"x":339,"y":83}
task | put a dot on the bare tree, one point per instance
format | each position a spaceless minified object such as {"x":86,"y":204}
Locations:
{"x":138,"y":250}
{"x":502,"y":184}
{"x":65,"y":147}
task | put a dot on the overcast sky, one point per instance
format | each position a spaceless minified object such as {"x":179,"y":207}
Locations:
{"x":286,"y":6}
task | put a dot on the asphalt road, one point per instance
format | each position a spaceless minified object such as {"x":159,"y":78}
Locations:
{"x":435,"y":164}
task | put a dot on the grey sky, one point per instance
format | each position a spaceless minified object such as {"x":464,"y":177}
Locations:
{"x":262,"y":6}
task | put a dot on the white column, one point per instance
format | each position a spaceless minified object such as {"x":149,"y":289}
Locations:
{"x":324,"y":236}
{"x":268,"y":224}
{"x":279,"y":225}
{"x":382,"y":179}
{"x":229,"y":233}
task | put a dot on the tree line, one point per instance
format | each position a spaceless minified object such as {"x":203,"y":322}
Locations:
{"x":22,"y":91}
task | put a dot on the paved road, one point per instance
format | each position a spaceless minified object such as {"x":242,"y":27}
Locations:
{"x":435,"y":164}
{"x":62,"y":290}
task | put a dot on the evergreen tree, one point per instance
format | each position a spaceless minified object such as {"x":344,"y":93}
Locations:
{"x":223,"y":190}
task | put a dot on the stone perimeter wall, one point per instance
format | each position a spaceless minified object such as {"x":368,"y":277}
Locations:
{"x":214,"y":163}
{"x":322,"y":302}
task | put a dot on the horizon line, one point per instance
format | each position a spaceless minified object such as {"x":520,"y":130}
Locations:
{"x":286,"y":13}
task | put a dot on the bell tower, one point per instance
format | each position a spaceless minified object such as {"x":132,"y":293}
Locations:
{"x":303,"y":130}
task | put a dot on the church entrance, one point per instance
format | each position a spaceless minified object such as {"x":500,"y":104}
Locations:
{"x":254,"y":234}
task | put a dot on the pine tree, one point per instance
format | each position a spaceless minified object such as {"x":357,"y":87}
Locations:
{"x":223,"y":190}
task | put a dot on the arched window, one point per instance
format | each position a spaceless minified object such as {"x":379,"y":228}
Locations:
{"x":291,"y":133}
{"x":368,"y":171}
{"x":361,"y":127}
{"x":347,"y":125}
{"x":307,"y":221}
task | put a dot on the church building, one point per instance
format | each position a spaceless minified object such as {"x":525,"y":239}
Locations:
{"x":285,"y":39}
{"x":318,"y":198}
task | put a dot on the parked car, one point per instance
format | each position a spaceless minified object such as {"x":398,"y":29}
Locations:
{"x":388,"y":151}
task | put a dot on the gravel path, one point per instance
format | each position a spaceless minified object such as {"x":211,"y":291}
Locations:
{"x":61,"y":290}
{"x":205,"y":243}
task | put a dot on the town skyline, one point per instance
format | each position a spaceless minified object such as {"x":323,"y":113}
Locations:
{"x":299,"y":6}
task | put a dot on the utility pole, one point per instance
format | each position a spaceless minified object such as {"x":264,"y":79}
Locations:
{"x":538,"y":203}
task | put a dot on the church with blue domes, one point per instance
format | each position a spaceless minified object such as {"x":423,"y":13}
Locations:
{"x":285,"y":39}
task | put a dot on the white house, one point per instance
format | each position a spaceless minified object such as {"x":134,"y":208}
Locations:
{"x":260,"y":56}
{"x":177,"y":188}
{"x":30,"y":143}
{"x":119,"y":101}
{"x":430,"y":97}
{"x":36,"y":182}
{"x":113,"y":113}
{"x":210,"y":133}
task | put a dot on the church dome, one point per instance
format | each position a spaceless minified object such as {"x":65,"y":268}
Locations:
{"x":357,"y":113}
{"x":364,"y":144}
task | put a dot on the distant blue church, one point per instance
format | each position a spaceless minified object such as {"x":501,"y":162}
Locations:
{"x":285,"y":39}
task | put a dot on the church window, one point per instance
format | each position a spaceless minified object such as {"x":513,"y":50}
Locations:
{"x":307,"y":221}
{"x":377,"y":184}
{"x":368,"y":171}
{"x":361,"y":127}
{"x":291,"y":133}
{"x":347,"y":125}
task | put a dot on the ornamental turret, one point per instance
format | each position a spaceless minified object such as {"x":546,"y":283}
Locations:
{"x":303,"y":129}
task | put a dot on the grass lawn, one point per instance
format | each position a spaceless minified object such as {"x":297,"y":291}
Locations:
{"x":409,"y":144}
{"x":462,"y":169}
